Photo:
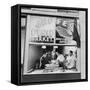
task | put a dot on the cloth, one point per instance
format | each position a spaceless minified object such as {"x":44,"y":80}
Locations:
{"x":70,"y":61}
{"x":60,"y":58}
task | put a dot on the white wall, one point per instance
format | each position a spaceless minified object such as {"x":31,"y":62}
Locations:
{"x":5,"y":45}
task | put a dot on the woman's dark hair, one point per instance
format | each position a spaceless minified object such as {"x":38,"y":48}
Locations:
{"x":71,"y":52}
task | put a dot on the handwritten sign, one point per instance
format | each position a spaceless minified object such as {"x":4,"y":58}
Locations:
{"x":42,"y":26}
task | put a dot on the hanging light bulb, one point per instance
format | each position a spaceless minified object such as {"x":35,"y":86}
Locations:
{"x":55,"y":46}
{"x":44,"y":47}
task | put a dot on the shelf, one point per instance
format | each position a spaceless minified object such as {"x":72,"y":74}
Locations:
{"x":58,"y":71}
{"x":38,"y":43}
{"x":62,"y":14}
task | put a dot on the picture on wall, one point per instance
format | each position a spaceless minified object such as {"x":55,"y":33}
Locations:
{"x":53,"y":44}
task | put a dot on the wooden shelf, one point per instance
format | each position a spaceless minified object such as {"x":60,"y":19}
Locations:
{"x":38,"y":43}
{"x":62,"y":14}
